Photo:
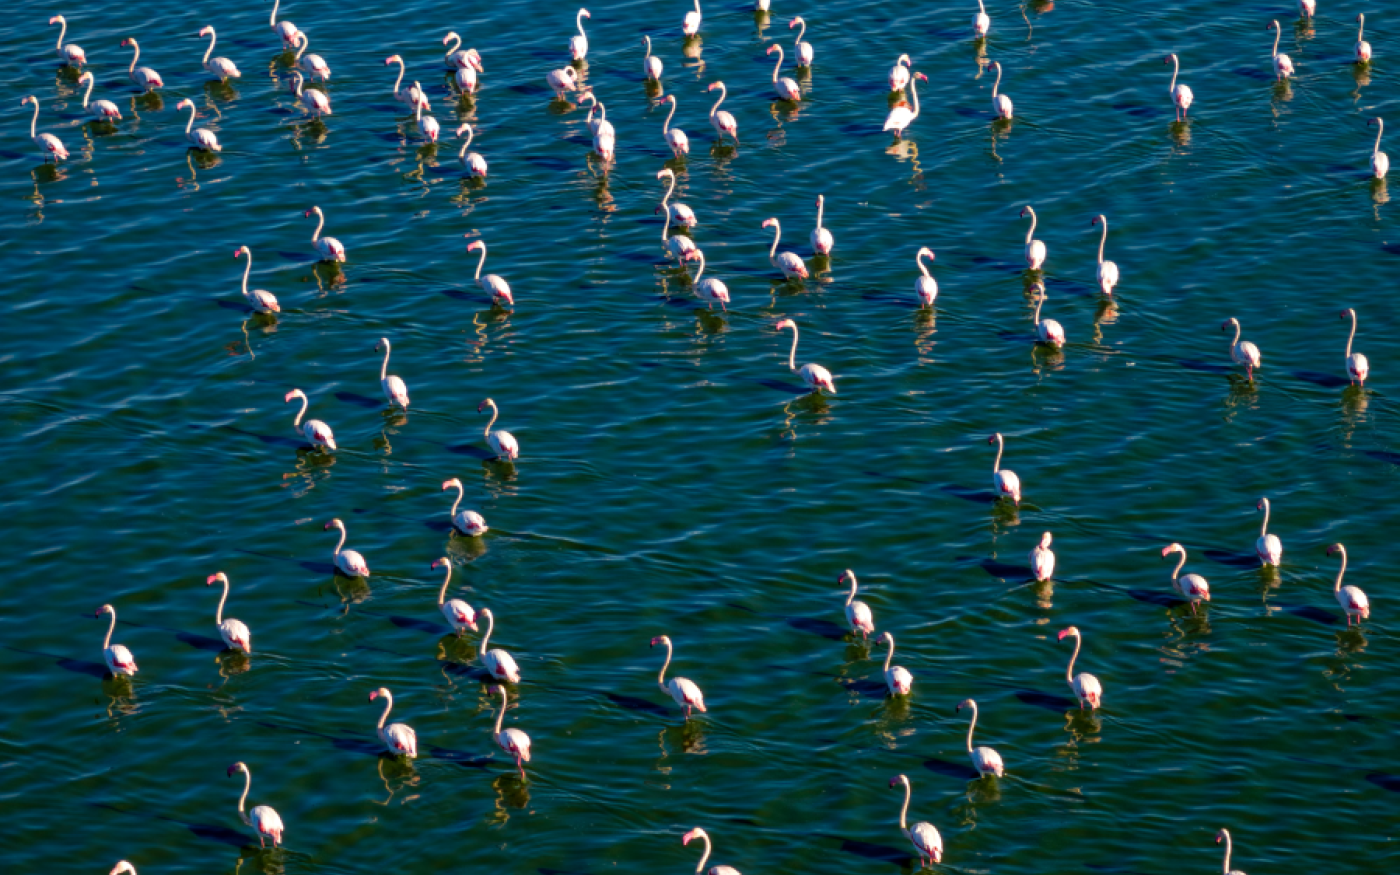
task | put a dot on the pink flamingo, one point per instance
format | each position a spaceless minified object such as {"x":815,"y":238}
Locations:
{"x":899,"y":73}
{"x":814,"y":376}
{"x":651,"y":64}
{"x":265,"y":821}
{"x":284,"y":29}
{"x":394,"y":388}
{"x":897,"y":678}
{"x":901,"y":116}
{"x":235,"y":634}
{"x":578,"y":45}
{"x":1306,"y":8}
{"x":605,"y":144}
{"x":314,"y":65}
{"x":497,"y":288}
{"x":413,"y":95}
{"x":680,"y":246}
{"x":1351,"y":598}
{"x":691,"y":25}
{"x":1087,"y":688}
{"x":678,"y":212}
{"x":699,"y":833}
{"x":101,"y":110}
{"x":1267,"y":547}
{"x":1380,"y":162}
{"x":350,"y":562}
{"x":459,"y":614}
{"x":1363,"y":48}
{"x":259,"y":300}
{"x":457,"y":58}
{"x":315,"y":101}
{"x":1107,"y":274}
{"x":683,"y":690}
{"x":1048,"y":331}
{"x":923,"y":836}
{"x":503,"y":442}
{"x":1192,"y":587}
{"x":465,"y":77}
{"x":1283,"y":65}
{"x":802,"y":50}
{"x":1224,"y":835}
{"x":513,"y":741}
{"x":468,"y":522}
{"x":314,"y":430}
{"x":1181,"y":94}
{"x":120,"y":661}
{"x":51,"y":146}
{"x":71,"y":54}
{"x":1035,"y":249}
{"x":145,"y":78}
{"x":199,"y":138}
{"x":711,"y":289}
{"x":788,"y":262}
{"x":984,"y":759}
{"x":1357,"y":366}
{"x":601,"y":124}
{"x":472,"y":161}
{"x":1001,"y":104}
{"x":427,"y":125}
{"x":822,"y":241}
{"x":1005,"y":483}
{"x":329,"y":247}
{"x":723,"y":123}
{"x":123,"y":868}
{"x":562,"y":81}
{"x":1242,"y":351}
{"x":925,"y":287}
{"x":398,"y":738}
{"x":785,"y":88}
{"x":980,"y":22}
{"x":497,"y":662}
{"x":858,"y":613}
{"x":220,"y":67}
{"x":675,"y":137}
{"x":1042,"y":559}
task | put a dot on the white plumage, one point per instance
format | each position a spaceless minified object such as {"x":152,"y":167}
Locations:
{"x":350,"y":562}
{"x":682,"y":690}
{"x":398,"y":738}
{"x":1042,"y":559}
{"x":314,"y":430}
{"x":498,"y":663}
{"x":119,"y":660}
{"x":1192,"y":587}
{"x":234,"y":632}
{"x":897,"y":678}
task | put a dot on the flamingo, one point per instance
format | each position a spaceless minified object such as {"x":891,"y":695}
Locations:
{"x":1267,"y":547}
{"x":513,"y":741}
{"x":683,"y":690}
{"x":924,"y":837}
{"x":785,"y":88}
{"x":101,"y":110}
{"x":822,"y":241}
{"x":468,"y":522}
{"x":1380,"y":162}
{"x":605,"y":142}
{"x":691,"y":25}
{"x":901,"y":116}
{"x":72,"y":54}
{"x":1087,"y":688}
{"x":220,"y":67}
{"x":503,"y":442}
{"x":563,"y":80}
{"x":459,"y":614}
{"x":699,"y":833}
{"x":601,"y":124}
{"x":1306,"y":8}
{"x":259,"y":300}
{"x":393,"y":386}
{"x":199,"y":138}
{"x":723,"y":123}
{"x":1005,"y":483}
{"x":1192,"y":587}
{"x":329,"y":247}
{"x":350,"y":562}
{"x":498,"y":663}
{"x":680,"y":246}
{"x":925,"y":287}
{"x":493,"y":285}
{"x":710,"y":290}
{"x":266,"y":822}
{"x":899,"y":73}
{"x":857,"y":613}
{"x":980,"y":22}
{"x":1181,"y":94}
{"x":814,"y":376}
{"x":427,"y":125}
{"x":761,"y":5}
{"x":791,"y":266}
{"x":472,"y":161}
{"x":315,"y":100}
{"x":1048,"y":331}
{"x":315,"y":431}
{"x":801,"y":50}
{"x":399,"y":738}
{"x":897,"y":678}
{"x":235,"y":634}
{"x":314,"y":65}
{"x":145,"y":78}
{"x":284,"y":29}
{"x":678,"y":212}
{"x":651,"y":64}
{"x":1035,"y":249}
{"x":120,"y":661}
{"x":578,"y":45}
{"x":465,"y":76}
{"x":50,"y":145}
{"x":122,"y":868}
{"x":1283,"y":65}
{"x":675,"y":137}
{"x":457,"y":58}
{"x":1001,"y":104}
{"x":1351,"y":598}
{"x":984,"y":759}
{"x":1357,"y":366}
{"x":1363,"y":48}
{"x":1224,"y":834}
{"x":1107,"y":271}
{"x":1042,"y":559}
{"x":1242,"y":351}
{"x":412,"y":95}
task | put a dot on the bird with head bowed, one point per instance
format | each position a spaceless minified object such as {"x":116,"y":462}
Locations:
{"x":497,"y":288}
{"x":264,"y":820}
{"x":235,"y":634}
{"x":348,"y":562}
{"x":699,"y":833}
{"x":398,"y":739}
{"x":314,"y":430}
{"x":898,"y":680}
{"x":814,"y":376}
{"x":858,"y":615}
{"x":1192,"y":587}
{"x":119,"y":660}
{"x":459,"y":614}
{"x":427,"y":125}
{"x":562,"y":81}
{"x":513,"y":741}
{"x":923,"y":836}
{"x":1086,"y":687}
{"x":285,"y":30}
{"x":682,"y":690}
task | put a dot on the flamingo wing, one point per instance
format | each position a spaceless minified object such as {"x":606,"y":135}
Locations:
{"x":236,"y":635}
{"x":268,"y":823}
{"x":926,"y":839}
{"x":899,"y":118}
{"x":685,"y":692}
{"x":402,"y":739}
{"x":516,"y":743}
{"x":502,"y":665}
{"x":680,"y":143}
{"x":1108,"y":277}
{"x":120,"y":660}
{"x":264,"y":302}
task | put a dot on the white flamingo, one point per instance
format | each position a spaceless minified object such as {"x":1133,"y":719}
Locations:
{"x":394,"y":389}
{"x":329,"y":248}
{"x":459,"y":614}
{"x":1192,"y":587}
{"x":1047,"y":331}
{"x":350,"y":562}
{"x":1035,"y":249}
{"x":1107,"y":273}
{"x":1306,"y":8}
{"x":465,"y":76}
{"x":723,"y":123}
{"x":578,"y":45}
{"x":923,"y":836}
{"x":314,"y":65}
{"x":497,"y":288}
{"x":1267,"y":547}
{"x":472,"y":161}
{"x":1181,"y":94}
{"x":503,"y":442}
{"x":788,"y":262}
{"x":699,"y":833}
{"x":899,"y":73}
{"x":1224,"y":834}
{"x":513,"y":741}
{"x":822,"y":241}
{"x":678,"y":212}
{"x":814,"y":376}
{"x":1283,"y":65}
{"x":123,"y":868}
{"x":427,"y":125}
{"x":1042,"y":559}
{"x":235,"y":634}
{"x":314,"y":100}
{"x":600,"y":125}
{"x":49,"y":145}
{"x":497,"y":662}
{"x":1362,"y":48}
{"x":651,"y":64}
{"x":199,"y":138}
{"x":675,"y":137}
{"x":72,"y":54}
{"x":710,"y":290}
{"x":1357,"y":366}
{"x":398,"y":738}
{"x":858,"y":613}
{"x":457,"y":58}
{"x":897,"y":678}
{"x":1001,"y":104}
{"x":314,"y":430}
{"x":1380,"y":162}
{"x":801,"y":50}
{"x":101,"y":110}
{"x":220,"y":67}
{"x":468,"y":522}
{"x":901,"y":116}
{"x":119,"y":660}
{"x":683,"y":690}
{"x":925,"y":287}
{"x":1004,"y":482}
{"x":1242,"y":351}
{"x":562,"y":81}
{"x":259,"y":300}
{"x":984,"y":759}
{"x":145,"y":78}
{"x":785,"y":88}
{"x":1086,"y":687}
{"x":1351,"y":598}
{"x":284,"y":29}
{"x":412,"y":95}
{"x":980,"y":22}
{"x":691,"y":25}
{"x":680,"y":246}
{"x":266,"y":822}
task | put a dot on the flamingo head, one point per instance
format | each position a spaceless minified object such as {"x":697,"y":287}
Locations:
{"x":128,"y":42}
{"x":57,"y":19}
{"x":1168,"y":59}
{"x":1222,"y":836}
{"x":1263,"y":502}
{"x":1229,"y":322}
{"x":105,"y":609}
{"x":994,"y":438}
{"x":236,"y":767}
{"x":660,"y":639}
{"x":382,"y":344}
{"x":463,"y":129}
{"x":1072,"y":631}
{"x":184,"y":103}
{"x":295,"y":393}
{"x":444,"y":562}
{"x":1024,"y":210}
{"x":693,"y":834}
{"x":123,"y":867}
{"x":795,"y":22}
{"x":897,"y":780}
{"x":393,"y":59}
{"x":786,"y":323}
{"x":845,"y":574}
{"x":1094,"y":221}
{"x":714,"y":85}
{"x":773,"y":48}
{"x":1345,"y":313}
{"x":671,"y":99}
{"x":475,"y":245}
{"x":240,"y":250}
{"x":487,"y":403}
{"x":886,"y":636}
{"x":585,"y":13}
{"x":1273,"y":25}
{"x":448,"y":484}
{"x":1045,"y":540}
{"x":382,"y":691}
{"x":86,"y":77}
{"x":334,"y":524}
{"x":451,"y":35}
{"x":921,"y":77}
{"x":216,"y":578}
{"x":1336,"y":548}
{"x":769,"y":223}
{"x":28,"y":99}
{"x":1172,"y":548}
{"x":206,"y":30}
{"x":965,"y":703}
{"x":903,"y":59}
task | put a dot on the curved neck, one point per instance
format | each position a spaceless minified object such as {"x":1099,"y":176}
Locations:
{"x":297,"y":78}
{"x":666,"y":124}
{"x":1337,"y":587}
{"x":1039,"y":299}
{"x":442,"y":593}
{"x":495,"y":412}
{"x":722,"y":90}
{"x":970,"y":727}
{"x":1103,"y":239}
{"x":996,"y":84}
{"x":1278,"y":32}
{"x":247,"y":785}
{"x":1236,"y":341}
{"x":697,"y":11}
{"x":702,"y":265}
{"x":93,"y":81}
{"x":481,"y":262}
{"x":1069,"y":669}
{"x":1176,"y":68}
{"x":1226,"y":867}
{"x":1351,"y":336}
{"x":302,"y":42}
{"x":980,"y":8}
{"x":578,"y":19}
{"x":778,"y":66}
{"x":456,"y":44}
{"x":821,"y":208}
{"x":666,"y":211}
{"x":190,"y":124}
{"x":1030,"y":233}
{"x":112,"y":626}
{"x":62,"y":30}
{"x":889,"y":657}
{"x":670,"y":190}
{"x":1264,"y":529}
{"x":1380,"y":129}
{"x":1180,"y":562}
{"x":704,"y":857}
{"x":919,"y":260}
{"x":321,"y":223}
{"x":302,"y":412}
{"x":399,"y":81}
{"x":453,"y":512}
{"x":802,"y":31}
{"x":34,"y":122}
{"x":996,"y":466}
{"x":219,"y":614}
{"x":388,"y":703}
{"x":247,"y":269}
{"x":647,"y":40}
{"x":341,"y":542}
{"x":661,"y":679}
{"x":904,"y":812}
{"x":914,"y":93}
{"x":1360,"y":29}
{"x":501,"y":714}
{"x":213,"y":37}
{"x":792,"y":353}
{"x":850,"y":598}
{"x":490,"y":627}
{"x":136,"y":56}
{"x":471,"y":133}
{"x":276,"y":3}
{"x":417,"y":108}
{"x":777,"y":235}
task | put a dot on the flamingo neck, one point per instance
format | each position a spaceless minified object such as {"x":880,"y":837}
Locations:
{"x":578,"y":19}
{"x":1039,"y":299}
{"x":384,"y":368}
{"x":399,"y":81}
{"x":479,"y":264}
{"x":1351,"y":336}
{"x":1380,"y":129}
{"x":457,"y":43}
{"x":62,"y":30}
{"x":247,"y":785}
{"x":996,"y":84}
{"x":219,"y":613}
{"x":471,"y":132}
{"x":792,"y":366}
{"x":850,"y":598}
{"x":777,"y":235}
{"x":800,"y":33}
{"x":667,"y":123}
{"x":647,"y":39}
{"x":1103,"y":239}
{"x":666,"y":228}
{"x":300,"y":413}
{"x":112,"y":626}
{"x":453,"y":513}
{"x":1278,"y":32}
{"x":1360,"y":25}
{"x":661,"y":681}
{"x":495,"y":412}
{"x":298,"y":79}
{"x":418,"y":110}
{"x":670,"y":189}
{"x":191,"y":121}
{"x":1176,"y":68}
{"x":702,"y":266}
{"x":442,"y":593}
{"x":714,"y":109}
{"x":136,"y":56}
{"x":319,"y":225}
{"x":247,"y":268}
{"x":705,"y":856}
{"x":1226,"y":867}
{"x":1264,"y":529}
{"x":93,"y":81}
{"x":970,"y":727}
{"x":996,"y":466}
{"x":1030,"y":233}
{"x":889,"y":657}
{"x":1337,"y":587}
{"x":302,"y":42}
{"x":1236,"y":341}
{"x":904,"y":812}
{"x":778,"y":66}
{"x":1177,"y":571}
{"x":276,"y":3}
{"x":490,"y":626}
{"x":501,"y":714}
{"x":821,"y":208}
{"x":980,"y":8}
{"x":1069,"y":669}
{"x":914,"y":93}
{"x":34,"y":122}
{"x":213,"y":37}
{"x":697,"y":12}
{"x":341,"y":543}
{"x":919,"y":260}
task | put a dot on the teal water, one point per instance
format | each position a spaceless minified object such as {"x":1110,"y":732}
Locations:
{"x":672,"y":479}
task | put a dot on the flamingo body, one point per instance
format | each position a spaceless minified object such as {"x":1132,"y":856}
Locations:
{"x":1042,"y":559}
{"x":902,"y":115}
{"x":710,"y":290}
{"x":498,"y":663}
{"x":683,"y":691}
{"x":100,"y":110}
{"x":858,"y":615}
{"x":899,"y":73}
{"x":312,"y":100}
{"x":578,"y":45}
{"x":1242,"y":351}
{"x":71,"y":54}
{"x":898,"y":680}
{"x":690,"y":26}
{"x":349,"y":562}
{"x":261,"y":301}
{"x":1004,"y":482}
{"x":1086,"y":687}
{"x":459,"y":614}
{"x":314,"y":65}
{"x":814,"y":376}
{"x":1192,"y":587}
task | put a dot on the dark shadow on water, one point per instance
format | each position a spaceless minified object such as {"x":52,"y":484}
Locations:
{"x":473,"y":671}
{"x":303,"y":257}
{"x":471,"y":450}
{"x":236,"y":306}
{"x":437,"y":630}
{"x":870,"y":851}
{"x":888,"y":476}
{"x":951,"y":770}
{"x":1253,"y":73}
{"x":1153,"y":597}
{"x":456,"y":757}
{"x":77,"y":666}
{"x":349,"y":745}
{"x":1309,"y":612}
{"x":870,"y":689}
{"x":1004,"y":570}
{"x":787,"y":388}
{"x":435,"y":525}
{"x":270,"y":439}
{"x":210,"y":831}
{"x":1330,"y":381}
{"x":1205,"y":367}
{"x":633,"y":703}
{"x":1236,"y":560}
{"x":979,"y":496}
{"x":199,"y":642}
{"x":1385,"y":781}
{"x":1383,"y":456}
{"x":823,"y":628}
{"x":361,"y":400}
{"x":556,"y":164}
{"x":1048,"y":701}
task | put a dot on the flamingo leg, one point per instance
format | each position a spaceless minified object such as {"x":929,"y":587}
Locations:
{"x":521,"y":767}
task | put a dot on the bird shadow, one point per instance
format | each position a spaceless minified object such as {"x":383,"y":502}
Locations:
{"x":557,"y":165}
{"x":458,"y":294}
{"x":1383,"y":456}
{"x":1330,"y":381}
{"x":786,"y":388}
{"x":634,"y":703}
{"x":1204,"y":367}
{"x":361,"y":400}
{"x":1385,"y":780}
{"x":1001,"y":569}
{"x":813,"y":626}
{"x":865,"y":687}
{"x":974,"y":495}
{"x":458,"y":757}
{"x":269,"y":439}
{"x":471,"y":450}
{"x":198,"y":642}
{"x":1153,"y":597}
{"x":1235,"y":560}
{"x":210,"y":831}
{"x":1253,"y":73}
{"x":1310,"y":612}
{"x":236,"y":306}
{"x":77,"y":666}
{"x":870,"y":851}
{"x":1009,"y":267}
{"x":951,"y":770}
{"x":472,"y":671}
{"x":1048,"y":701}
{"x":298,"y":256}
{"x":349,"y":745}
{"x":435,"y":525}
